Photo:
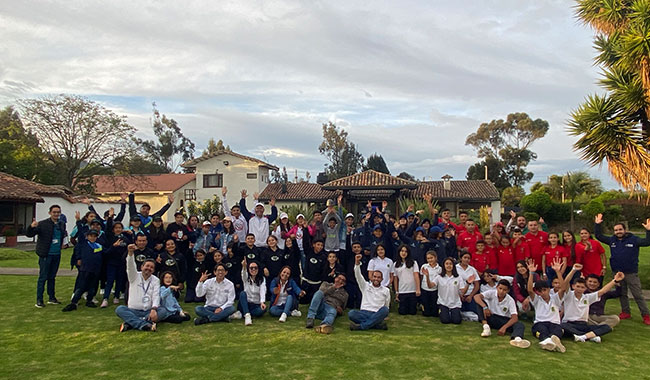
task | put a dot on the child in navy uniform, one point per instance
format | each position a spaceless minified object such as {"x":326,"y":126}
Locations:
{"x":90,"y":253}
{"x":194,"y":272}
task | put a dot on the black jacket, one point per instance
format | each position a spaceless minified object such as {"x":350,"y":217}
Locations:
{"x":45,"y":230}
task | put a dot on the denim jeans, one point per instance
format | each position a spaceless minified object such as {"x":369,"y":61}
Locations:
{"x":48,"y":266}
{"x":277,"y":310}
{"x":134,"y":318}
{"x":319,"y":309}
{"x":253,"y":308}
{"x":208,"y":312}
{"x":368,"y":319}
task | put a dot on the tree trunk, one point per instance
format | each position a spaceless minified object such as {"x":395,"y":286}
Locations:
{"x":572,"y":217}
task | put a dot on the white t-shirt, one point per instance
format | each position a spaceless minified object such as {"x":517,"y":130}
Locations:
{"x":433,"y":272}
{"x":385,"y":266}
{"x":505,"y":308}
{"x":449,"y":288}
{"x":406,"y":278}
{"x":486,"y":287}
{"x":467,"y":273}
{"x":578,"y":309}
{"x":547,"y":311}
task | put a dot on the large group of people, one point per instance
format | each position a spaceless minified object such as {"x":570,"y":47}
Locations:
{"x":248,"y":263}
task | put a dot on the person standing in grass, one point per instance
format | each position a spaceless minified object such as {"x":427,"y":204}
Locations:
{"x":547,"y":309}
{"x":219,"y":295}
{"x":406,"y":281}
{"x":498,"y":310}
{"x":429,"y":296}
{"x":144,"y":295}
{"x":50,"y":232}
{"x":624,"y":248}
{"x":90,"y":255}
{"x":375,"y":301}
{"x":328,"y":302}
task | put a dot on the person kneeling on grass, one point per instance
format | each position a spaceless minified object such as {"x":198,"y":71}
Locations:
{"x":144,"y":295}
{"x":284,"y":297}
{"x":90,"y":266}
{"x":219,"y":295}
{"x":170,"y":310}
{"x":375,"y":301}
{"x":576,"y":307}
{"x":547,"y":309}
{"x":328,"y":302}
{"x":498,"y":310}
{"x":252,"y":299}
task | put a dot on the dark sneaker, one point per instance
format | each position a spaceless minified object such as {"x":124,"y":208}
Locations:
{"x":40,"y":304}
{"x":70,"y":307}
{"x":381,"y":326}
{"x":310,"y":323}
{"x":125,"y":327}
{"x":91,"y":304}
{"x":187,"y":317}
{"x":354,"y":326}
{"x":201,"y":321}
{"x":53,"y":301}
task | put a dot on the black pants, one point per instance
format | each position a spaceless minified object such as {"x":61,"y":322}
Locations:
{"x":580,"y":328}
{"x":498,"y":321}
{"x":309,"y":289}
{"x":429,"y":299}
{"x":87,"y":283}
{"x":543,"y":330}
{"x":408,"y":303}
{"x":354,"y":295}
{"x":448,"y":315}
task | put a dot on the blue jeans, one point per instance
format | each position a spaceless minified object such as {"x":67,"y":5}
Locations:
{"x":368,"y":319}
{"x":47,"y":268}
{"x":319,"y":309}
{"x":277,"y":310}
{"x":253,"y":308}
{"x":115,"y":274}
{"x":208,"y":312}
{"x":134,"y":318}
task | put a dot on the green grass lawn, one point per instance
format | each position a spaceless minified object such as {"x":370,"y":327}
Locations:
{"x":48,"y":344}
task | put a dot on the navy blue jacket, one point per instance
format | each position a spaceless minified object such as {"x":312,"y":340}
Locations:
{"x":624,"y":252}
{"x":91,"y":258}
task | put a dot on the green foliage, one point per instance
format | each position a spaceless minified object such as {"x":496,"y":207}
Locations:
{"x":280,"y":177}
{"x":508,"y":142}
{"x":418,"y":204}
{"x":531,"y":215}
{"x":214,"y":147}
{"x":558,"y":213}
{"x":376,"y":162}
{"x":9,"y":232}
{"x":538,"y":202}
{"x":294,"y":210}
{"x":593,"y":208}
{"x":511,"y":196}
{"x":137,"y":164}
{"x":406,"y":176}
{"x":496,"y":173}
{"x":343,"y":157}
{"x":205,"y":209}
{"x":79,"y":136}
{"x":172,"y":147}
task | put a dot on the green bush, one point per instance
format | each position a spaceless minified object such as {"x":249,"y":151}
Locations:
{"x":538,"y":202}
{"x":558,"y":213}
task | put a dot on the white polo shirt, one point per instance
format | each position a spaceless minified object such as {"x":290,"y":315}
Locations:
{"x":433,"y":272}
{"x":449,"y":288}
{"x":547,"y":311}
{"x":505,"y":308}
{"x":467,"y":273}
{"x":578,"y":309}
{"x":385,"y":266}
{"x":406,"y":278}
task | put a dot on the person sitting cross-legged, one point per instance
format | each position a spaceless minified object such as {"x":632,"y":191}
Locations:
{"x":375,"y":300}
{"x":328,"y":302}
{"x":219,"y":295}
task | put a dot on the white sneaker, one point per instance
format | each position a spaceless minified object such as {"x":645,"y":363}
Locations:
{"x":236,"y":315}
{"x":283,"y":318}
{"x":104,"y":303}
{"x":518,"y":342}
{"x":116,"y":301}
{"x":595,"y":339}
{"x":247,"y":319}
{"x":296,"y":313}
{"x":547,"y":344}
{"x":101,"y":292}
{"x":85,"y":296}
{"x":559,"y":347}
{"x":122,"y":296}
{"x":486,"y":331}
{"x":579,"y":338}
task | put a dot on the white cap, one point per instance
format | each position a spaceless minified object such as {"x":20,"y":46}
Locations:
{"x":300,"y":216}
{"x":349,"y":215}
{"x":206,"y":223}
{"x":259,"y":204}
{"x":284,"y":215}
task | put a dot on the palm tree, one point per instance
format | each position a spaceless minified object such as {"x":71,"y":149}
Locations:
{"x":576,"y":184}
{"x":615,"y":127}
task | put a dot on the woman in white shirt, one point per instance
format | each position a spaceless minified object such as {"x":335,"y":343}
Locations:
{"x":450,"y":289}
{"x":465,"y":271}
{"x":406,"y":281}
{"x":381,"y":263}
{"x":252,"y":299}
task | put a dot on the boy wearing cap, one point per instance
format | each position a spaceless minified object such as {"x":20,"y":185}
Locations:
{"x":90,"y":266}
{"x":239,"y":222}
{"x":143,"y":215}
{"x":258,"y":223}
{"x":205,"y":240}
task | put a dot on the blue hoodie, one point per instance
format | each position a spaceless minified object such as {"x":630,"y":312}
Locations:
{"x":625,"y":251}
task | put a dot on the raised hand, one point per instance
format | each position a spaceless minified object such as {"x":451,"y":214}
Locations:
{"x":111,"y":212}
{"x":244,"y":193}
{"x":557,"y":264}
{"x":357,"y":259}
{"x":34,"y":223}
{"x":599,"y":219}
{"x":513,"y":215}
{"x":339,"y":199}
{"x":170,"y":198}
{"x":541,"y":220}
{"x":646,"y":225}
{"x":272,"y":203}
{"x":204,"y":276}
{"x":86,"y":201}
{"x":427,"y":197}
{"x":532,"y":267}
{"x":77,"y":215}
{"x":384,"y":204}
{"x":123,"y":197}
{"x":577,"y":267}
{"x":619,"y":276}
{"x":224,"y":191}
{"x":131,"y":248}
{"x":410,"y":208}
{"x":256,"y":195}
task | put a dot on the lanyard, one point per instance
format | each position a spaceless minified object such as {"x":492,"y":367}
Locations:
{"x":142,"y":285}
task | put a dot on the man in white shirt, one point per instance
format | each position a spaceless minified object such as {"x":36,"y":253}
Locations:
{"x":258,"y":223}
{"x":144,"y":295}
{"x":375,"y":301}
{"x":219,"y":295}
{"x":576,"y":308}
{"x":498,"y":310}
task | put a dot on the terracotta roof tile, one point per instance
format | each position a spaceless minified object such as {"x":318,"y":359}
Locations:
{"x":459,"y":190}
{"x":141,"y":183}
{"x":192,"y":163}
{"x":18,"y":189}
{"x":303,"y":191}
{"x":370,"y":179}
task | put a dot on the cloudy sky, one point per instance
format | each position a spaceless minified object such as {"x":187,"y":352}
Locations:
{"x":409,"y":79}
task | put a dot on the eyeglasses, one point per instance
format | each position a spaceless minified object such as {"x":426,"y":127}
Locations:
{"x":253,"y":268}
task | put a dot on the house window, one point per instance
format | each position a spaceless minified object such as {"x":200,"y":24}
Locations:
{"x":251,"y":175}
{"x":213,"y":180}
{"x":190,"y":194}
